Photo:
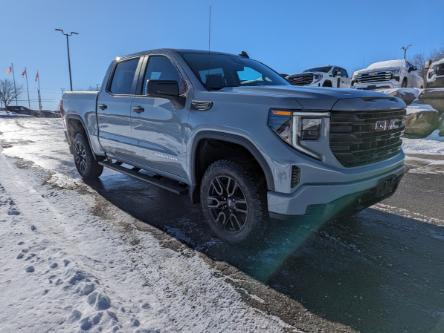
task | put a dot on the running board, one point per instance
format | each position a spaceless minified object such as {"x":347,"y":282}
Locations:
{"x":164,"y":183}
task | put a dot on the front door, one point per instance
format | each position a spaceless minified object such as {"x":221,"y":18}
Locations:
{"x":114,"y":110}
{"x":158,"y":123}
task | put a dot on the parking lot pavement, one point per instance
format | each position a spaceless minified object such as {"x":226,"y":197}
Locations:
{"x":379,"y":271}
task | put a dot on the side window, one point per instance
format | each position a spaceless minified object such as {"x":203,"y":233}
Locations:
{"x":160,"y":68}
{"x":124,"y":76}
{"x":343,"y":72}
{"x":249,"y":74}
{"x":208,"y":72}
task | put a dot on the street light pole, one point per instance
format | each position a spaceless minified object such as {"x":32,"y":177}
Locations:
{"x":405,"y":48}
{"x":67,"y":35}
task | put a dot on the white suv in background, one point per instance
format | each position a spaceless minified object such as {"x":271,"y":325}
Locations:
{"x":388,"y":74}
{"x":327,"y":76}
{"x":435,"y":74}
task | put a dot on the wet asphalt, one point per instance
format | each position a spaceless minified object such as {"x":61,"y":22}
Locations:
{"x":378,"y":271}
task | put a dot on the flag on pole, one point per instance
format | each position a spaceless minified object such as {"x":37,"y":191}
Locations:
{"x":24,"y":72}
{"x":9,"y":70}
{"x":37,"y":77}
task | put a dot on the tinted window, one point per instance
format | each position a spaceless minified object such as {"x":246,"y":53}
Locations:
{"x":124,"y":76}
{"x":160,"y":68}
{"x":217,"y":71}
{"x":343,"y":72}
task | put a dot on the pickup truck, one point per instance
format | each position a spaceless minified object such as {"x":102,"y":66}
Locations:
{"x":388,"y":74}
{"x":435,"y":74}
{"x":235,"y":136}
{"x":327,"y":76}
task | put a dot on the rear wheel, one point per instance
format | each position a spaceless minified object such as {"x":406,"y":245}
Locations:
{"x":84,"y":160}
{"x":233,"y":202}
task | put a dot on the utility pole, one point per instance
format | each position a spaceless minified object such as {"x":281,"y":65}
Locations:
{"x":405,"y":48}
{"x":67,"y":35}
{"x":209,"y":29}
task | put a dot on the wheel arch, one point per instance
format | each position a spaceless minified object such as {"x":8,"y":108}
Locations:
{"x":75,"y":122}
{"x":229,"y":139}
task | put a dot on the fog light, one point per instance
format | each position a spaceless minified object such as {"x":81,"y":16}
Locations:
{"x":295,"y":175}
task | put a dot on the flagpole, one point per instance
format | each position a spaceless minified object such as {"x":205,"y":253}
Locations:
{"x":15,"y":87}
{"x":38,"y":91}
{"x":27,"y":87}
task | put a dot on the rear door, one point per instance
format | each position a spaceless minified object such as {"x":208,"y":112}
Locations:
{"x":345,"y":80}
{"x":158,"y":124}
{"x":114,"y":110}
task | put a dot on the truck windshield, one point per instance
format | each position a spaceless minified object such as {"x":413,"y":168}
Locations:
{"x":216,"y":71}
{"x":325,"y":69}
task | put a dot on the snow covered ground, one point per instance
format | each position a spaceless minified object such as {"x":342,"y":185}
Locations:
{"x":71,"y":261}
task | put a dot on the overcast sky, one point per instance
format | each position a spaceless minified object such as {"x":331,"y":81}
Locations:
{"x":290,"y":36}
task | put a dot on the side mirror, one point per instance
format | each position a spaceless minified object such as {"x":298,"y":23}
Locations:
{"x":162,"y":88}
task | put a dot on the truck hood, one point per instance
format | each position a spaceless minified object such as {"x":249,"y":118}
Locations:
{"x":310,"y":98}
{"x":304,"y":73}
{"x":372,"y":70}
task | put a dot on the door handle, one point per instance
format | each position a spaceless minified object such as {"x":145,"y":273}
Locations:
{"x":102,"y":106}
{"x":138,"y":109}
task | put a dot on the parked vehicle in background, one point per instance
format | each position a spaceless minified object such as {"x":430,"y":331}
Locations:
{"x":435,"y":74}
{"x":388,"y":74}
{"x":326,"y":76}
{"x":237,"y":137}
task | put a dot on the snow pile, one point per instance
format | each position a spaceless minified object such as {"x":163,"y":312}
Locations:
{"x":416,"y":107}
{"x":432,"y":144}
{"x":9,"y":114}
{"x":408,"y":95}
{"x":64,"y":182}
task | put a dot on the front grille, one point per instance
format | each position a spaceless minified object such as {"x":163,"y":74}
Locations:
{"x":355,"y":141}
{"x":374,"y":77}
{"x":440,"y":69}
{"x":301,"y":79}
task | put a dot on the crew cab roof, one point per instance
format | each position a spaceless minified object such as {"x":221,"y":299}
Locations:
{"x":170,"y":50}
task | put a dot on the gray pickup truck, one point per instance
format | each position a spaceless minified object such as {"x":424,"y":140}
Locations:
{"x":236,"y":137}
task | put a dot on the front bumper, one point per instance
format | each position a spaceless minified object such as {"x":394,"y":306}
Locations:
{"x":362,"y":192}
{"x":438,"y":82}
{"x":377,"y":85}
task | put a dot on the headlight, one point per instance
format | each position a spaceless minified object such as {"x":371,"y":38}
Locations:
{"x":317,"y":78}
{"x":295,"y":127}
{"x":395,"y":71}
{"x":310,"y":128}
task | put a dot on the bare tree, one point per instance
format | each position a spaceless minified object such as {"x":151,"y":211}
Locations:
{"x":8,"y":93}
{"x":420,"y":59}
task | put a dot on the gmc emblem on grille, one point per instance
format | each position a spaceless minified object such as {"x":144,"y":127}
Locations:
{"x":384,"y":125}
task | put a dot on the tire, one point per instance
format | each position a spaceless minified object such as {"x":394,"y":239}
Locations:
{"x":234,"y":202}
{"x":404,"y":83}
{"x":84,"y":160}
{"x":327,"y":84}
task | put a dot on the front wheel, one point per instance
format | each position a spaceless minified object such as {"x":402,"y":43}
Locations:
{"x":84,"y":160}
{"x":233,"y":202}
{"x":404,"y":83}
